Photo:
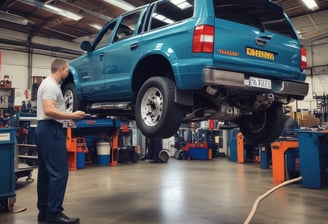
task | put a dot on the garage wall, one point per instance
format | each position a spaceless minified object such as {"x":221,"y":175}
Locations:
{"x":15,"y":57}
{"x":317,"y":74}
{"x":14,"y":64}
{"x":21,"y":62}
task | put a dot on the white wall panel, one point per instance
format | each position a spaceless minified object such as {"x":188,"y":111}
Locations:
{"x":317,"y":55}
{"x":15,"y":60}
{"x":41,"y":65}
{"x":12,"y":35}
{"x":54,"y":42}
{"x":15,"y":64}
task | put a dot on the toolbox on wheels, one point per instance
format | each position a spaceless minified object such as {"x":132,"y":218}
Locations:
{"x":7,"y":174}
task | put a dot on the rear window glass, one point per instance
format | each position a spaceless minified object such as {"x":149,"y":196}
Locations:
{"x":168,"y":12}
{"x":261,"y":14}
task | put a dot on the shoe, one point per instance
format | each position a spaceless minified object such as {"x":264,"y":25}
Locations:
{"x":61,"y":218}
{"x":42,"y":216}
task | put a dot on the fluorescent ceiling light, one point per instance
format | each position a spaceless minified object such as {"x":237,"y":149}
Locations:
{"x":96,"y":26}
{"x":63,"y":12}
{"x":52,"y":9}
{"x":311,"y":4}
{"x":182,"y":4}
{"x":6,"y":16}
{"x":162,"y":18}
{"x":121,"y":4}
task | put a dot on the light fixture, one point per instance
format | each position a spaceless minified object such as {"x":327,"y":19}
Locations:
{"x":96,"y":26}
{"x":6,"y":16}
{"x":52,"y":9}
{"x":63,"y":12}
{"x":162,"y":18}
{"x":311,"y":4}
{"x":182,"y":4}
{"x":121,"y":4}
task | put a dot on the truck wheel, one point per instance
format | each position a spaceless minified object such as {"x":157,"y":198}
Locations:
{"x":263,"y":126}
{"x":157,"y":115}
{"x":71,"y":101}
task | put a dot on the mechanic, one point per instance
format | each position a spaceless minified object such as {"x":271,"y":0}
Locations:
{"x":51,"y":145}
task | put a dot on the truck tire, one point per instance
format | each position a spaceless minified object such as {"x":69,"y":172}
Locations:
{"x":157,"y":115}
{"x":264,"y":126}
{"x":71,"y":101}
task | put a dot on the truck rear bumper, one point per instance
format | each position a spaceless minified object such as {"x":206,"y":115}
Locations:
{"x":214,"y":77}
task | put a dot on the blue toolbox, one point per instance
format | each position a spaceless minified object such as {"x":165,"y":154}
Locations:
{"x":313,"y":152}
{"x":232,"y":144}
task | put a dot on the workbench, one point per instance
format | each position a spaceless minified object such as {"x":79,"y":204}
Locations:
{"x":91,"y":126}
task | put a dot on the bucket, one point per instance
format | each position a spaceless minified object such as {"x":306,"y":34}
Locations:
{"x":103,"y":153}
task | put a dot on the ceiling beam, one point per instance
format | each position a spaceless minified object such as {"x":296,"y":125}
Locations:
{"x":87,"y":11}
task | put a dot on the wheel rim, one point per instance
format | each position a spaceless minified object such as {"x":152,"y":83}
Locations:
{"x":152,"y":106}
{"x":69,"y":100}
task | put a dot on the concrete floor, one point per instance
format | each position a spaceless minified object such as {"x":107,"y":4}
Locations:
{"x":217,"y":191}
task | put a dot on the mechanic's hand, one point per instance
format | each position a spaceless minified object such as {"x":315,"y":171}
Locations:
{"x":77,"y":115}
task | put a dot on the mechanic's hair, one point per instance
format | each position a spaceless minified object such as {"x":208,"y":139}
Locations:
{"x":57,"y":64}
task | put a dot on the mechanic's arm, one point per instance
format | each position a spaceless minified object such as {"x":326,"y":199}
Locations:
{"x":52,"y":111}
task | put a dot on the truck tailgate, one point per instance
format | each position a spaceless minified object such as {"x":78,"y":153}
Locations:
{"x":255,"y":38}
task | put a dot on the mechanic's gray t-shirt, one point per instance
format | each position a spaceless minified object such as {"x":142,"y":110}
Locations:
{"x":49,"y":90}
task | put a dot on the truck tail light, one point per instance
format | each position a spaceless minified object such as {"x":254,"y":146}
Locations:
{"x":303,"y":58}
{"x":203,"y":40}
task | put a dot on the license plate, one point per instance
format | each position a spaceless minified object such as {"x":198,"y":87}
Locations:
{"x":260,"y":83}
{"x":260,"y":54}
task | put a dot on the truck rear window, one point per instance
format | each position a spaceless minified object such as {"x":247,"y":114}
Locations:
{"x":261,"y":14}
{"x":168,"y":12}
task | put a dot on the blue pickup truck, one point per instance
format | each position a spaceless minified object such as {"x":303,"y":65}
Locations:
{"x":176,"y":61}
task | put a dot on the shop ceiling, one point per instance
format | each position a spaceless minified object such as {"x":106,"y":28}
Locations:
{"x":77,"y":19}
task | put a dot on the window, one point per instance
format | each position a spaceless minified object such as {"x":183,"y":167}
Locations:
{"x":255,"y":13}
{"x":127,"y":26}
{"x":168,"y":12}
{"x":103,"y":38}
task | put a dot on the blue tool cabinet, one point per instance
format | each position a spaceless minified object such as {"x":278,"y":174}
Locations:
{"x":7,"y":172}
{"x":232,"y":144}
{"x":313,"y":152}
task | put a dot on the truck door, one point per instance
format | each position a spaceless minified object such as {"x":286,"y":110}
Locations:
{"x":90,"y":67}
{"x":120,"y":57}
